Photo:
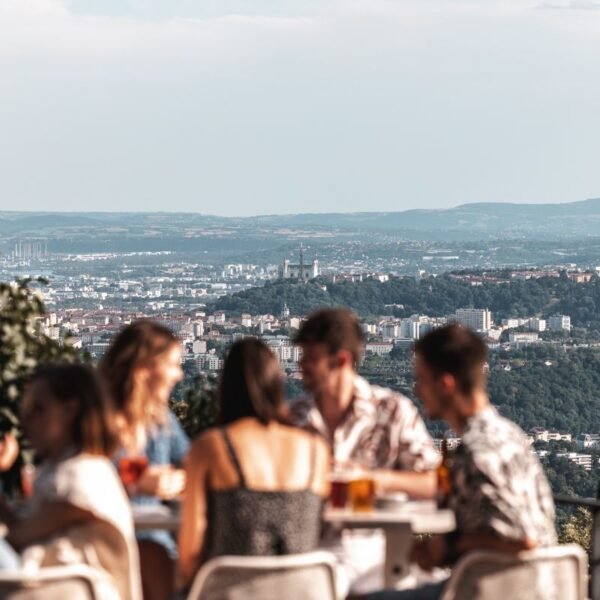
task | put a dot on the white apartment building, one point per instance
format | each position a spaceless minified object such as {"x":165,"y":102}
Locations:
{"x":208,"y":362}
{"x":369,"y":328}
{"x":545,"y":435}
{"x":513,"y":323}
{"x":478,"y":319}
{"x":379,"y":348}
{"x":583,"y":460}
{"x":389,"y":329}
{"x":199,"y":347}
{"x":523,"y":337}
{"x":409,"y":328}
{"x":588,"y":440}
{"x":198,"y":328}
{"x":559,"y":323}
{"x":283,"y":349}
{"x":536,"y":324}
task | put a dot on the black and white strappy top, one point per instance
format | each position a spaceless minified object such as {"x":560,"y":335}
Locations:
{"x":249,"y":522}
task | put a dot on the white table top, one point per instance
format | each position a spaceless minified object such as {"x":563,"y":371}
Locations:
{"x":155,"y":517}
{"x":422,"y":517}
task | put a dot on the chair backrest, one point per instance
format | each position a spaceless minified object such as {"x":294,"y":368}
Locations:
{"x":309,"y":576}
{"x":557,"y":573}
{"x":77,"y":582}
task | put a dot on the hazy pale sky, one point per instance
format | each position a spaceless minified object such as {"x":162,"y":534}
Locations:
{"x":240,"y":107}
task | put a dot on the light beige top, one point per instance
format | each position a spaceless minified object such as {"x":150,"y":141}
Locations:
{"x":90,"y":483}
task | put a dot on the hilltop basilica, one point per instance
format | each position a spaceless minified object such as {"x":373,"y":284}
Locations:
{"x":300,"y":272}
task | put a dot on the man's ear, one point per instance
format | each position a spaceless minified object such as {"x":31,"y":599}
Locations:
{"x":448,"y":384}
{"x":344,"y":358}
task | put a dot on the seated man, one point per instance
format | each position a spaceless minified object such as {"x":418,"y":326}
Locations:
{"x":369,"y":427}
{"x":499,"y":492}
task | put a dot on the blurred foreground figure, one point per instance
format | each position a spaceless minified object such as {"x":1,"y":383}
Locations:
{"x":79,"y":512}
{"x":140,"y":369}
{"x":255,"y":485}
{"x":369,"y":428}
{"x":497,"y":487}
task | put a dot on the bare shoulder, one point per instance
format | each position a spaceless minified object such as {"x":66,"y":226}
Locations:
{"x":323,"y":450}
{"x":204,"y":445}
{"x":304,"y":435}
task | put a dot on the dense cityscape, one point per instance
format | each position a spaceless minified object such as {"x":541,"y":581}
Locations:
{"x":88,"y":303}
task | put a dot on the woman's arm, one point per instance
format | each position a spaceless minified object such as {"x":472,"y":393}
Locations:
{"x":179,"y":443}
{"x":193,"y":519}
{"x":50,"y":518}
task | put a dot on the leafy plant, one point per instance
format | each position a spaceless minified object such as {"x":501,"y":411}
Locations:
{"x":23,"y":346}
{"x":198,"y":409}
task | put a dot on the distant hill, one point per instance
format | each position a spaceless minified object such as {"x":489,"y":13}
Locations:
{"x":483,"y":220}
{"x":468,"y":221}
{"x":436,"y":296}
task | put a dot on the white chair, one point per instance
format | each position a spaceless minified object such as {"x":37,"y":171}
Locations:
{"x":557,"y":573}
{"x":75,"y":582}
{"x":309,"y":576}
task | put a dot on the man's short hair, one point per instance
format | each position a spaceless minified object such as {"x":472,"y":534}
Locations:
{"x":456,"y":350}
{"x":336,"y":328}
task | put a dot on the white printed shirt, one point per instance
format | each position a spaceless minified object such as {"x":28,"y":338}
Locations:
{"x":381,"y":430}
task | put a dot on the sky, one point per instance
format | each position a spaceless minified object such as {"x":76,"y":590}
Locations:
{"x":243,"y":107}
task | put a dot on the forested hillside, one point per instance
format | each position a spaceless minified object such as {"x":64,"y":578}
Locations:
{"x":434,"y":296}
{"x":536,"y":387}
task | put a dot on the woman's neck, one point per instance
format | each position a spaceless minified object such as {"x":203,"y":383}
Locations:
{"x":60,"y":451}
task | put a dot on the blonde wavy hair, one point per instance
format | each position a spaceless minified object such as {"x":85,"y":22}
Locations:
{"x":139,"y":345}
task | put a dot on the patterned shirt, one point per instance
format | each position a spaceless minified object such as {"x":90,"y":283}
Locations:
{"x":498,"y":485}
{"x":381,"y":430}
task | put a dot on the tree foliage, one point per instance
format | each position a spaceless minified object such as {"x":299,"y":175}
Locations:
{"x":435,"y":296}
{"x":197,"y":409}
{"x":23,"y":346}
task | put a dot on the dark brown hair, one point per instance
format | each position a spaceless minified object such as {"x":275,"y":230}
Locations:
{"x":251,"y":384}
{"x":336,"y":328}
{"x":94,"y":430}
{"x":137,"y":346}
{"x":456,"y":350}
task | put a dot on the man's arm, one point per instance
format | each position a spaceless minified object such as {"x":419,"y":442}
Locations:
{"x":417,"y":485}
{"x":441,"y":551}
{"x":488,"y":541}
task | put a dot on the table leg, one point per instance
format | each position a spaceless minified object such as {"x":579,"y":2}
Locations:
{"x":398,"y":542}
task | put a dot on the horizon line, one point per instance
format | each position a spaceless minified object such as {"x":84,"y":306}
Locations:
{"x":290,"y":214}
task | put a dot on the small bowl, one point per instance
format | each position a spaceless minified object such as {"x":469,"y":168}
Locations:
{"x":391,"y":501}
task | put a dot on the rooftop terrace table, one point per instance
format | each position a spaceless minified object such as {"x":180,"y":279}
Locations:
{"x":398,"y":525}
{"x":155,"y":517}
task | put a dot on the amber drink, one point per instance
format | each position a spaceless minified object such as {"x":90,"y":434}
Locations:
{"x":361,"y":493}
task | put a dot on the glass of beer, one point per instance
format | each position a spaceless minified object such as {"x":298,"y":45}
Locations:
{"x":361,"y":493}
{"x":339,"y":490}
{"x":131,"y":468}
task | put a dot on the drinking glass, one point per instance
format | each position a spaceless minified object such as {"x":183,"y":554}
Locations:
{"x":131,"y":468}
{"x":339,"y":490}
{"x":361,"y":493}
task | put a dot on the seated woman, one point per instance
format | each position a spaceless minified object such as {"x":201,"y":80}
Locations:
{"x":79,"y":512}
{"x":255,"y":485}
{"x":140,"y":369}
